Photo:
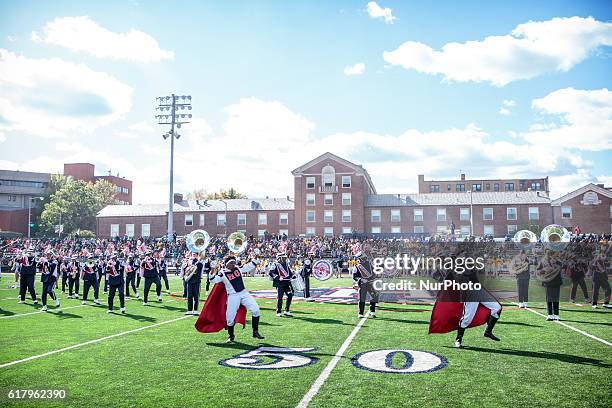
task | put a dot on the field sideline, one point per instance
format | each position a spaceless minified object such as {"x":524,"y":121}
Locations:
{"x":152,"y":356}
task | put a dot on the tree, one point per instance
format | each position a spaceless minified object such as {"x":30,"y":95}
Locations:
{"x":229,"y":194}
{"x":77,"y":202}
{"x":199,"y":194}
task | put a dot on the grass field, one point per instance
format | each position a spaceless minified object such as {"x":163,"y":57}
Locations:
{"x":168,"y":364}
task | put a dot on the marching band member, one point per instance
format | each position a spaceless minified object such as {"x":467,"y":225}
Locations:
{"x":232,"y":278}
{"x":193,"y":279}
{"x":520,"y":268}
{"x":306,"y":272}
{"x":579,"y":265}
{"x":206,"y":268}
{"x":600,"y":279}
{"x":73,"y":278}
{"x":27,"y":275}
{"x":64,"y":271}
{"x":550,"y":267}
{"x":48,"y":276}
{"x":363,"y":281}
{"x":101,"y":272}
{"x":129,"y":269}
{"x":162,"y":269}
{"x":115,"y":283}
{"x":148,"y":270}
{"x":90,"y":279}
{"x":281,"y":275}
{"x":138,"y":266}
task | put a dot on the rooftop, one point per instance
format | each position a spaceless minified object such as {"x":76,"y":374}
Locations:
{"x":441,"y":199}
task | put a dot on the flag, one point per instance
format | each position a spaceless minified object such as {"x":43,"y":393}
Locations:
{"x":212,"y":316}
{"x":446,"y":313}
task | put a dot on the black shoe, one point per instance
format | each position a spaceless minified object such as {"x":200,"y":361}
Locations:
{"x":459,"y":338}
{"x":256,"y":335}
{"x":230,"y":333}
{"x":489,"y":330}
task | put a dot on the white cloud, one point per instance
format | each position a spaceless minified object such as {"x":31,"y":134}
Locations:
{"x":84,"y":34}
{"x":142,"y":126}
{"x":531,"y":49}
{"x":375,"y":11}
{"x":585,"y":120}
{"x":48,"y":97}
{"x":504,"y":111}
{"x":505,"y":108}
{"x":2,"y":137}
{"x":356,"y":69}
{"x":509,"y":103}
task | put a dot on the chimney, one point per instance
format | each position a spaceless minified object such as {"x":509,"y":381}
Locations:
{"x":178,"y":198}
{"x":600,"y":185}
{"x":462,"y":176}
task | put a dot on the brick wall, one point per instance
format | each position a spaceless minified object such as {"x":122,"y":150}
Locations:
{"x":590,"y":218}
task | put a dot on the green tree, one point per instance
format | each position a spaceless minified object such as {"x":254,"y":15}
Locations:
{"x":226,"y":194}
{"x":77,"y":203}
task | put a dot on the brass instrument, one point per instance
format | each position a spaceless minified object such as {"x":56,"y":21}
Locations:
{"x":525,"y":239}
{"x":196,"y":241}
{"x":237,"y":242}
{"x":555,"y":237}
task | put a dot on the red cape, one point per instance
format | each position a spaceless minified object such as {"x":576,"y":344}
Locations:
{"x":446,"y":314}
{"x":212,"y":316}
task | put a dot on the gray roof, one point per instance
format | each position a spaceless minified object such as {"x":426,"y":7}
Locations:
{"x":445,"y":199}
{"x":241,"y":204}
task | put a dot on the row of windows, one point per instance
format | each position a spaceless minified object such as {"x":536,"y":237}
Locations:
{"x":328,"y":216}
{"x":328,"y":181}
{"x":145,"y":230}
{"x":328,"y":199}
{"x":417,"y":229}
{"x":21,"y":183}
{"x":122,"y":190}
{"x":464,"y":214}
{"x":241,"y":219}
{"x":535,"y":186}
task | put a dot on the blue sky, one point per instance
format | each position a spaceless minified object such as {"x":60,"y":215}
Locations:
{"x":270,"y":90}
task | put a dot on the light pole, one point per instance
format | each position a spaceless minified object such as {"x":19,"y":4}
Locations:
{"x":30,"y":212}
{"x":173,"y":110}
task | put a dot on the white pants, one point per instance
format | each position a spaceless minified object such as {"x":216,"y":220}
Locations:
{"x":233,"y":303}
{"x":469,"y":311}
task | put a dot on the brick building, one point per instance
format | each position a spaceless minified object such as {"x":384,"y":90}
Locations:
{"x":481,"y":185}
{"x":18,"y":192}
{"x":333,"y":196}
{"x":86,"y":172}
{"x":589,"y":207}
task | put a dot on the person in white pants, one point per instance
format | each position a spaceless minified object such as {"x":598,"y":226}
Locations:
{"x":237,"y":295}
{"x":469,"y":311}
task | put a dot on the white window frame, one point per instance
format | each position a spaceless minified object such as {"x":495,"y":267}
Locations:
{"x":508,"y":213}
{"x":145,"y":230}
{"x":464,"y":214}
{"x":262,"y":219}
{"x":465,"y":230}
{"x":202,"y":220}
{"x":347,"y":216}
{"x":537,"y":213}
{"x":283,"y":217}
{"x":115,"y":228}
{"x":418,"y":214}
{"x":441,"y":229}
{"x":328,"y":231}
{"x":419,"y":229}
{"x":314,"y":216}
{"x":261,"y":233}
{"x":189,"y":220}
{"x":570,"y":213}
{"x":346,"y":199}
{"x":221,"y":220}
{"x":328,"y":199}
{"x":396,"y":215}
{"x":308,"y":181}
{"x":129,"y":227}
{"x":344,"y":178}
{"x":396,"y":230}
{"x":283,"y":232}
{"x":310,"y":231}
{"x":440,"y":214}
{"x":488,"y":226}
{"x":376,"y":230}
{"x":241,"y":219}
{"x":484,"y":214}
{"x":511,"y":229}
{"x":347,"y":230}
{"x":311,"y":199}
{"x":328,"y":216}
{"x":373,"y":214}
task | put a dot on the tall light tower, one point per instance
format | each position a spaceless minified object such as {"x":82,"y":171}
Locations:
{"x":173,"y":110}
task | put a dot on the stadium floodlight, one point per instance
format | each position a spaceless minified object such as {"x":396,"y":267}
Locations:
{"x":172,"y":104}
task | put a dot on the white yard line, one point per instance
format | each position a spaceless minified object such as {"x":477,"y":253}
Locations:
{"x":330,"y":366}
{"x":51,"y":310}
{"x":12,"y":363}
{"x":607,"y":343}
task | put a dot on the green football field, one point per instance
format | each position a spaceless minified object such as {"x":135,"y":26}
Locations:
{"x":153,"y":356}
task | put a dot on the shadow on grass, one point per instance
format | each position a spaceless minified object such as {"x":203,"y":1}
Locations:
{"x":503,"y":322}
{"x":136,"y":317}
{"x":562,"y":309}
{"x":581,"y":321}
{"x":388,"y":319}
{"x":64,"y":315}
{"x":6,"y":313}
{"x":320,"y":321}
{"x":564,"y":358}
